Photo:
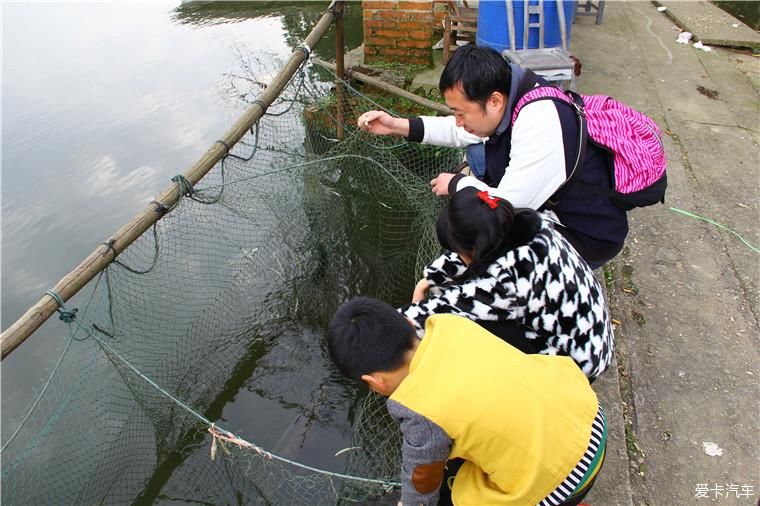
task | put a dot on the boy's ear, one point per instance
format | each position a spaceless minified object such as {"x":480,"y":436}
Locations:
{"x":374,"y":382}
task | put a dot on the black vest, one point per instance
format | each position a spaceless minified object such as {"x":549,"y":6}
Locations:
{"x":586,"y":214}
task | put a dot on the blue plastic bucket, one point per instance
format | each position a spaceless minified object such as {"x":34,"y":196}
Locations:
{"x":493,"y":29}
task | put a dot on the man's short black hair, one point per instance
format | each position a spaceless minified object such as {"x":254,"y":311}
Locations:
{"x":367,"y":335}
{"x":479,"y":70}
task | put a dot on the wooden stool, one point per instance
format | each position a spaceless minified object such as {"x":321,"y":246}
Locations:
{"x":460,"y":23}
{"x":587,"y":6}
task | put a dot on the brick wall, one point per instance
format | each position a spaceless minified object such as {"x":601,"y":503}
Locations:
{"x":398,"y":31}
{"x":439,"y":12}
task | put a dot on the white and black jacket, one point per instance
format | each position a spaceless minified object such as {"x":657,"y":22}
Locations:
{"x":542,"y":285}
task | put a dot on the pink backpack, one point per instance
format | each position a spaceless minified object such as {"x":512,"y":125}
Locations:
{"x":631,"y":137}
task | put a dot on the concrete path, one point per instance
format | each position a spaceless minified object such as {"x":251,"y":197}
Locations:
{"x":683,"y":401}
{"x":685,"y":404}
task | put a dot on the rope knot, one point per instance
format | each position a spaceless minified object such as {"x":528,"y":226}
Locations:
{"x":305,"y":49}
{"x":185,"y":186}
{"x":64,"y":314}
{"x":67,"y":315}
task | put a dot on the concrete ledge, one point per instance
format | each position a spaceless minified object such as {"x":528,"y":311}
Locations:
{"x":710,"y":24}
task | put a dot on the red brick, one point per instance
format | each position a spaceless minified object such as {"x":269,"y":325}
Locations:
{"x":387,"y":14}
{"x":374,"y":23}
{"x":414,"y":43}
{"x":420,"y":34}
{"x":400,"y":15}
{"x":414,"y":16}
{"x":374,"y":4}
{"x":415,"y":6}
{"x":394,"y":51}
{"x":379,"y":41}
{"x":392,"y":33}
{"x":409,"y":25}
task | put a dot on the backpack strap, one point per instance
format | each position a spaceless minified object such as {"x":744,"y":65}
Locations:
{"x":573,"y":100}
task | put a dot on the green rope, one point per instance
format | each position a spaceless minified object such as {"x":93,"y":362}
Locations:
{"x":64,"y":314}
{"x":382,"y":167}
{"x":50,"y":378}
{"x":156,"y":250}
{"x":39,"y":395}
{"x":185,"y":186}
{"x":255,"y":132}
{"x":692,"y":215}
{"x":53,"y":420}
{"x":302,"y":75}
{"x":70,"y":318}
{"x":210,"y":424}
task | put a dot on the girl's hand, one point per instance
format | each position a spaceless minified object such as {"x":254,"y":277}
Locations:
{"x":440,"y":185}
{"x":420,"y":290}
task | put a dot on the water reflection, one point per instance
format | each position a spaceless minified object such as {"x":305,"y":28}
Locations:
{"x":122,"y":112}
{"x":297,"y":18}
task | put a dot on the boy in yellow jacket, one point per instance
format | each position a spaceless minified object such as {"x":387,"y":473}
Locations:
{"x":529,"y":428}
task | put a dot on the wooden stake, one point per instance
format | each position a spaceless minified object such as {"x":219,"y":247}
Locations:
{"x":339,"y":58}
{"x":377,"y":83}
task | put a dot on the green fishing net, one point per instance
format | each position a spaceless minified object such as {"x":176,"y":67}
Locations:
{"x":205,"y":338}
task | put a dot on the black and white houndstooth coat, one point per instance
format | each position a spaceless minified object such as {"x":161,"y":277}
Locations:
{"x":542,"y":285}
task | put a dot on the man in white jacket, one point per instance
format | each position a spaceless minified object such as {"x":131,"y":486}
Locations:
{"x":526,"y":163}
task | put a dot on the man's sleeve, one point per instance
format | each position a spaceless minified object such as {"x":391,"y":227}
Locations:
{"x":536,"y":159}
{"x":440,"y":131}
{"x":424,"y":451}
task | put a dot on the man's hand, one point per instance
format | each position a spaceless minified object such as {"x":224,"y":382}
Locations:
{"x":382,"y":123}
{"x":420,"y":290}
{"x":440,"y":185}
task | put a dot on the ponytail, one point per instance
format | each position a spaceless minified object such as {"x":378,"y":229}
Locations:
{"x":478,"y":225}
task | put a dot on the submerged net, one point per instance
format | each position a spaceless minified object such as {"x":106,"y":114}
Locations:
{"x":206,"y":337}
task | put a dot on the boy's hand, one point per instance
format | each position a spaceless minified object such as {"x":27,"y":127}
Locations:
{"x":420,"y":290}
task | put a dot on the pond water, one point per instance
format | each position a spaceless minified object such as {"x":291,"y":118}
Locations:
{"x":102,"y":104}
{"x":748,"y":11}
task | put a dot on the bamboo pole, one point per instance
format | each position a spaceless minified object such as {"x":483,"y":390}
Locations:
{"x":99,"y":259}
{"x":389,"y":88}
{"x":339,"y":58}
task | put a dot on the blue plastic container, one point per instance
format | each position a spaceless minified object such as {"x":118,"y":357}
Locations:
{"x":493,"y":30}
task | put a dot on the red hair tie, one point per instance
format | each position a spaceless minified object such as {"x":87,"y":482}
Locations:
{"x":493,"y":202}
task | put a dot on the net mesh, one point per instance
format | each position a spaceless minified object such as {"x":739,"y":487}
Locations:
{"x":227,"y":298}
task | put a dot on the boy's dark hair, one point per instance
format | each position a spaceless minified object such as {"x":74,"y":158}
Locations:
{"x":367,"y":335}
{"x":468,"y":225}
{"x":479,"y":70}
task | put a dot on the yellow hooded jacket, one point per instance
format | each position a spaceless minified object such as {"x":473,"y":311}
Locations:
{"x":521,"y":422}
